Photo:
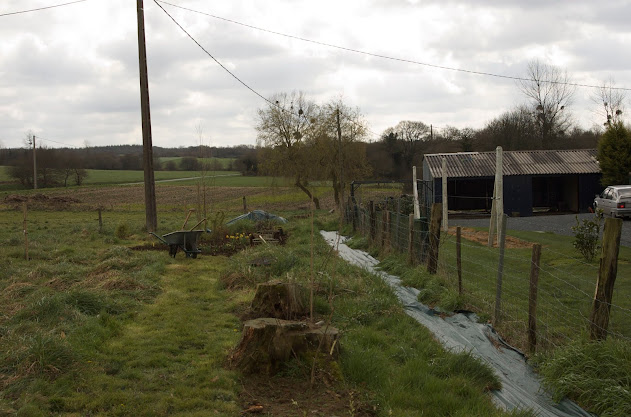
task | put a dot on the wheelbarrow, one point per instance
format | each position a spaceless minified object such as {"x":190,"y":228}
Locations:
{"x":186,"y":240}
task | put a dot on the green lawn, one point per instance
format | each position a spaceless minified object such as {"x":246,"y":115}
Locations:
{"x":91,"y":326}
{"x":565,"y":295}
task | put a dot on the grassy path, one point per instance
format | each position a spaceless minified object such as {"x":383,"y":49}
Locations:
{"x":169,"y":360}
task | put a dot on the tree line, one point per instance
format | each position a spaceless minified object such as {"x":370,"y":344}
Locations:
{"x":308,"y":141}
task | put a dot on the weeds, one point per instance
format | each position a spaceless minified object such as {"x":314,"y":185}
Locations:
{"x":587,"y":235}
{"x":596,"y":374}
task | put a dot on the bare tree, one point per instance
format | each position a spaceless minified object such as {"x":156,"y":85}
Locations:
{"x":549,"y":92}
{"x":610,"y":101}
{"x":412,"y":134}
{"x":341,"y":156}
{"x":283,"y":127}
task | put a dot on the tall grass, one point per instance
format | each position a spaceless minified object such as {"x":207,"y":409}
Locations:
{"x":596,"y":374}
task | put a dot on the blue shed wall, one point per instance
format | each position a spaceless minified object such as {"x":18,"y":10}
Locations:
{"x":518,"y":195}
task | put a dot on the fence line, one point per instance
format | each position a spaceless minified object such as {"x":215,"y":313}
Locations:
{"x":565,"y":296}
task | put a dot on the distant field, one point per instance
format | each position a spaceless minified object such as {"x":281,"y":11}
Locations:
{"x":213,"y":178}
{"x":4,"y":176}
{"x":121,"y":177}
{"x":225,"y":162}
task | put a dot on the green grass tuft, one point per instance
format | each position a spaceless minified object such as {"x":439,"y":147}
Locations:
{"x":596,"y":374}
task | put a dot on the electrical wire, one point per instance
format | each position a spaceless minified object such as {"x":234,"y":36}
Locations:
{"x":405,"y":60}
{"x":53,"y":141}
{"x":219,"y":63}
{"x":41,"y":8}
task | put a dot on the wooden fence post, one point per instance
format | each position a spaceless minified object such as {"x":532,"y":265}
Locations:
{"x":500,"y":271}
{"x":459,"y":257}
{"x":384,"y":229}
{"x":100,"y":219}
{"x":245,"y":205}
{"x":532,"y":299}
{"x":373,"y":221}
{"x":397,"y":230}
{"x":24,"y":226}
{"x":434,"y":237}
{"x":606,"y":278}
{"x":411,"y":239}
{"x":388,"y":231}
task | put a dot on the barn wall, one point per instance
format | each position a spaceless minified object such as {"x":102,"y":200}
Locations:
{"x":588,"y":186}
{"x":518,"y":195}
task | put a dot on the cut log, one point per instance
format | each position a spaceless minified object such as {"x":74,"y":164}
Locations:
{"x":268,"y":343}
{"x":281,"y":300}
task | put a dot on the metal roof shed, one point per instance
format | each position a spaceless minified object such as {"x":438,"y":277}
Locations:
{"x":553,"y":180}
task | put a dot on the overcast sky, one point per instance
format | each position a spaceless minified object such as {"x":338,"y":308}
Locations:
{"x":70,"y":74}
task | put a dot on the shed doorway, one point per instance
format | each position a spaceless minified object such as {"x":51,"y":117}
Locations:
{"x":557,"y":193}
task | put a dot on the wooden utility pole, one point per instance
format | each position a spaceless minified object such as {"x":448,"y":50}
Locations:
{"x":532,"y":299}
{"x":151,"y":217}
{"x":34,"y":165}
{"x":599,"y":320}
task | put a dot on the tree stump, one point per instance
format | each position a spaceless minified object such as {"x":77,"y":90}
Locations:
{"x":281,"y":300}
{"x":267,"y":343}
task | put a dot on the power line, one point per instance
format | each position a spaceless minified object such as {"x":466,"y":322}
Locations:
{"x":271,"y":103}
{"x":213,"y":58}
{"x":41,"y":8}
{"x":409,"y":61}
{"x":53,"y":141}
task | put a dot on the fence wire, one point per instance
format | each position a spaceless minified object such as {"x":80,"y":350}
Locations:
{"x":566,"y":283}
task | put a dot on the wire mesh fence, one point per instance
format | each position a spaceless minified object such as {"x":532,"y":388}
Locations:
{"x":566,"y":284}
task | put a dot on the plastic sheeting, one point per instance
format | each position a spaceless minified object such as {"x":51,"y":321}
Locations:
{"x":521,"y":388}
{"x":258,"y":215}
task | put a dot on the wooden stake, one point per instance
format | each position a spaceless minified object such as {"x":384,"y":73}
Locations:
{"x":434,"y":237}
{"x":24,"y":226}
{"x":493,"y":221}
{"x":606,"y":278}
{"x":417,"y":210}
{"x":445,"y":198}
{"x":397,"y":230}
{"x":499,"y":177}
{"x":500,"y":271}
{"x":245,"y":205}
{"x":373,"y":221}
{"x":532,"y":299}
{"x":459,"y":257}
{"x":311,"y":272}
{"x":388,"y":231}
{"x":411,"y":239}
{"x":100,"y":220}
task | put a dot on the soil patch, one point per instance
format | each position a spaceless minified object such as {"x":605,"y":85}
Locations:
{"x":482,"y":238}
{"x":288,"y":397}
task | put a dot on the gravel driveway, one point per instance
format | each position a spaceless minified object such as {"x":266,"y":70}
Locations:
{"x":560,"y":224}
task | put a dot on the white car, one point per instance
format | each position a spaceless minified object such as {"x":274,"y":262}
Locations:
{"x":615,"y":201}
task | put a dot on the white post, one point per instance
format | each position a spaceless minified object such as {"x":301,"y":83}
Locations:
{"x":445,"y":220}
{"x":499,"y":180}
{"x":417,"y":210}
